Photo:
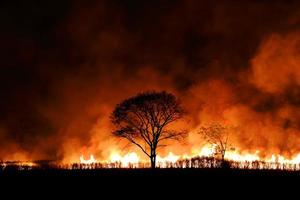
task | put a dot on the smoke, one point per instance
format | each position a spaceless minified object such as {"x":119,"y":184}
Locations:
{"x":276,"y":67}
{"x":65,"y":67}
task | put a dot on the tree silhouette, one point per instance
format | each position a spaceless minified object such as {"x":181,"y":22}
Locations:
{"x":144,"y":120}
{"x":217,"y":135}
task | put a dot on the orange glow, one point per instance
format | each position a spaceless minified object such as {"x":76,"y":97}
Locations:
{"x":126,"y":160}
{"x":170,"y":158}
{"x":89,"y":161}
{"x":132,"y":159}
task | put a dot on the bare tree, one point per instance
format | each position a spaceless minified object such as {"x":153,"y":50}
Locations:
{"x":217,"y":135}
{"x":144,"y":120}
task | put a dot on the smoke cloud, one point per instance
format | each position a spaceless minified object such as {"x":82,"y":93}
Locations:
{"x":66,"y":65}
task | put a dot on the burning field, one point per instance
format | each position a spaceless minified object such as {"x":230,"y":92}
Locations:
{"x":66,"y":67}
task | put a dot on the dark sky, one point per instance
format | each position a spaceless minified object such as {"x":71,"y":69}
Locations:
{"x":56,"y":55}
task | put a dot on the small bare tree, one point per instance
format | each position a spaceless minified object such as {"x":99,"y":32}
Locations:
{"x":217,"y":135}
{"x":144,"y":120}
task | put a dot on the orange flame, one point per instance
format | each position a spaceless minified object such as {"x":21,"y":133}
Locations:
{"x":132,"y":159}
{"x":89,"y":161}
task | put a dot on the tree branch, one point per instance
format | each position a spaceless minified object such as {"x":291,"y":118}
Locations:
{"x":137,"y":144}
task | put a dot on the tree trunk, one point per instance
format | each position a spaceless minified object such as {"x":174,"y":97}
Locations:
{"x":153,"y":159}
{"x":223,"y":164}
{"x":153,"y":163}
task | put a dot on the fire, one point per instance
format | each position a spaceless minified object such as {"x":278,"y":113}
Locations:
{"x":19,"y":165}
{"x":281,"y":159}
{"x":133,"y":160}
{"x":89,"y":161}
{"x":234,"y":156}
{"x":170,"y":158}
{"x":205,"y":151}
{"x":130,"y":158}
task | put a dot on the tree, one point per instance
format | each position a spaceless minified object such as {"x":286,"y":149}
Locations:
{"x":217,"y":135}
{"x":144,"y":121}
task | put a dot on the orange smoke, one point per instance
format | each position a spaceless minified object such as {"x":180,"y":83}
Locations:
{"x":263,"y":125}
{"x":58,"y":106}
{"x":276,"y":67}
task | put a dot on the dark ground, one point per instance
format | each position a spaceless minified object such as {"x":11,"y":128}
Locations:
{"x":241,"y":184}
{"x":159,"y":175}
{"x":148,"y":173}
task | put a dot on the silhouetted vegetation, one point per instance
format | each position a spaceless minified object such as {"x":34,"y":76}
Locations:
{"x":217,"y":135}
{"x":144,"y":119}
{"x":193,"y":163}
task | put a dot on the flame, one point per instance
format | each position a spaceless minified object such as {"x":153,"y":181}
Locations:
{"x":170,"y":158}
{"x":130,"y":158}
{"x":133,"y":160}
{"x":20,"y":165}
{"x":206,"y":151}
{"x":234,"y":156}
{"x":89,"y":161}
{"x":281,"y":159}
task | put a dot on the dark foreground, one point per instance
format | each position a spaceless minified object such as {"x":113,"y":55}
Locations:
{"x":159,"y":175}
{"x":148,"y":173}
{"x":116,"y":182}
